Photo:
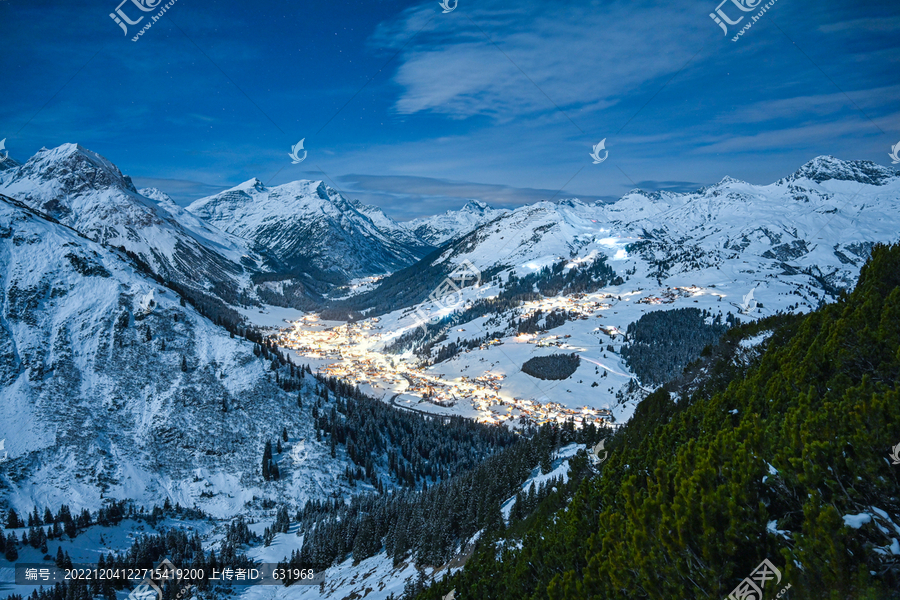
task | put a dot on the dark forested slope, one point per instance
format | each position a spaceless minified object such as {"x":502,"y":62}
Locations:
{"x":784,"y":457}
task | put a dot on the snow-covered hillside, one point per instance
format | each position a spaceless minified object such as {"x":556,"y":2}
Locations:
{"x":105,"y":394}
{"x":311,"y":228}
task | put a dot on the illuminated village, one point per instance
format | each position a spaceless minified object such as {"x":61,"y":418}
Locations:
{"x":349,"y":351}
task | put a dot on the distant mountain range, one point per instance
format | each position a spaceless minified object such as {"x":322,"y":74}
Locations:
{"x":291,"y":244}
{"x":285,"y":245}
{"x":440,"y":229}
{"x":814,"y":228}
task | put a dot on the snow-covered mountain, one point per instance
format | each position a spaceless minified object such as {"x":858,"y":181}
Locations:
{"x":820,"y":221}
{"x":399,"y":232}
{"x":309,"y":227}
{"x":90,"y":194}
{"x":439,"y":229}
{"x":105,"y":393}
{"x":9,"y":163}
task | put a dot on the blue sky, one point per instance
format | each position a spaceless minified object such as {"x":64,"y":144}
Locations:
{"x":415,"y":110}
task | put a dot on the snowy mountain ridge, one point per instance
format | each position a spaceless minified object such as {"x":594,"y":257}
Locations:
{"x":87,"y":192}
{"x":309,"y":224}
{"x":823,"y":217}
{"x":441,"y":228}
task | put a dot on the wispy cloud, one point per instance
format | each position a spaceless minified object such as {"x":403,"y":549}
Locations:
{"x":584,"y":57}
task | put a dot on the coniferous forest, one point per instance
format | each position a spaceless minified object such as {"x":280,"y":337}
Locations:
{"x":660,"y":344}
{"x":784,"y":458}
{"x":431,"y":526}
{"x":555,"y":366}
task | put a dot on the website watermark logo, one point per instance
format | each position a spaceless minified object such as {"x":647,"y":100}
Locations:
{"x":294,"y":154}
{"x":596,"y":153}
{"x":142,"y":5}
{"x":751,"y":588}
{"x":895,"y":455}
{"x":722,"y":19}
{"x":445,"y":4}
{"x":122,"y":19}
{"x":595,"y":453}
{"x":448,"y":294}
{"x":148,"y":589}
{"x":6,"y":154}
{"x":895,"y":150}
{"x":748,"y":304}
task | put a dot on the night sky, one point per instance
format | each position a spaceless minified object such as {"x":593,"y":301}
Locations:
{"x":417,"y":111}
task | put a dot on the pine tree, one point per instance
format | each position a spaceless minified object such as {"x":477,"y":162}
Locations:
{"x":12,"y":552}
{"x":12,"y":520}
{"x":184,"y":365}
{"x":267,"y":461}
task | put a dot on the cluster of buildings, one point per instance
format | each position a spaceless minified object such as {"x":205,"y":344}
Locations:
{"x":349,"y":353}
{"x":581,"y":306}
{"x":669,"y":295}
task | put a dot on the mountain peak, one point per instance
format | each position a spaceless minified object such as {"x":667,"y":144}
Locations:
{"x":311,"y":227}
{"x":823,"y":168}
{"x":83,"y":167}
{"x":476,"y":207}
{"x":157,"y":195}
{"x":250,"y":184}
{"x":570,"y":202}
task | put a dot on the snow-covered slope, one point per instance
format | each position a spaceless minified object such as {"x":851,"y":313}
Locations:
{"x":310,"y":228}
{"x":101,"y":401}
{"x":439,"y":229}
{"x":87,"y":192}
